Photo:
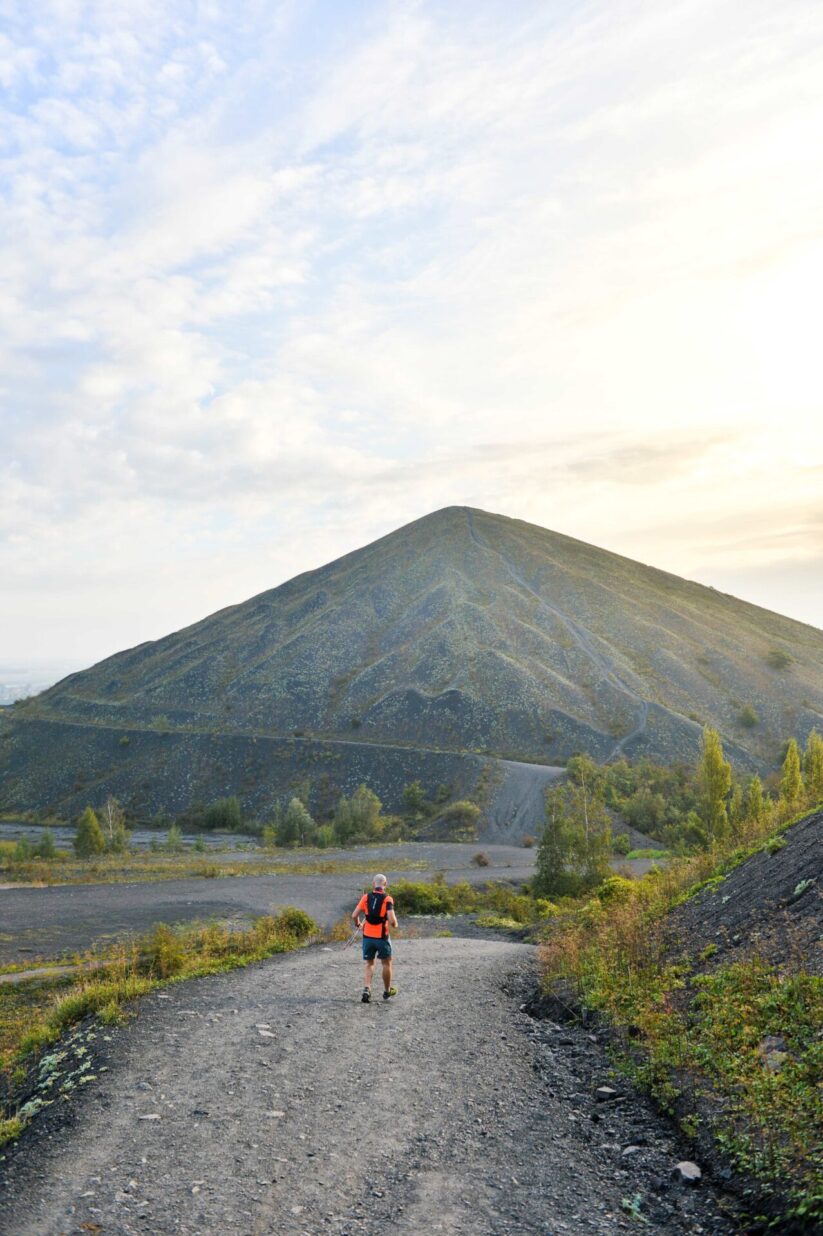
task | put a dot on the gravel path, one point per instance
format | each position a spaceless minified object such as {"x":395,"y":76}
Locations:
{"x":271,"y":1100}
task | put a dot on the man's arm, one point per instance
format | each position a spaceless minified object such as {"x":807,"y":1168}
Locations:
{"x":391,"y":916}
{"x":355,"y":914}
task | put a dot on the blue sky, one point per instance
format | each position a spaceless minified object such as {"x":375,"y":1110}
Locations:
{"x":276,"y":279}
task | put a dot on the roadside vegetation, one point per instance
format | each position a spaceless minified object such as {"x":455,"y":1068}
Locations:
{"x":35,"y":1014}
{"x":732,"y":1048}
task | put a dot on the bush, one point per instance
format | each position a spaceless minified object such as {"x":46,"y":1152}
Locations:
{"x":224,"y":814}
{"x":174,"y":840}
{"x":622,"y":844}
{"x":165,"y":951}
{"x":528,"y":842}
{"x":748,"y":717}
{"x":480,"y":860}
{"x":295,"y":923}
{"x":325,"y":836}
{"x":778,"y":658}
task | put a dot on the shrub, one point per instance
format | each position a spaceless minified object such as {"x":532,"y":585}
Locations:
{"x":480,"y":860}
{"x":778,"y":658}
{"x":165,"y":951}
{"x":224,"y":814}
{"x":622,"y":844}
{"x":174,"y":840}
{"x":295,"y":923}
{"x":615,"y":891}
{"x":748,"y":717}
{"x":528,"y":842}
{"x":45,"y":847}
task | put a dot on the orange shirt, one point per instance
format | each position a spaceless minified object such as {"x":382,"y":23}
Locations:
{"x":374,"y":931}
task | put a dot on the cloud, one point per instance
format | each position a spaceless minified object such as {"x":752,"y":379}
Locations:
{"x":272,"y":286}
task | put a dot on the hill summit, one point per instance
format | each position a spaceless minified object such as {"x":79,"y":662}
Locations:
{"x":469,"y":632}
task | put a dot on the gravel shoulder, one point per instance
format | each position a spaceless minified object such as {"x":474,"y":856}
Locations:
{"x":271,"y":1099}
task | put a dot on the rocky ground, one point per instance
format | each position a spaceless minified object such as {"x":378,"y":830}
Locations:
{"x":271,"y":1099}
{"x":771,"y":905}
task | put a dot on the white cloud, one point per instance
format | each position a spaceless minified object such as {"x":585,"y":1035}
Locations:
{"x":272,"y":286}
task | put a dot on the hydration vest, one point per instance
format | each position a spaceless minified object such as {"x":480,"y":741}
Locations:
{"x":376,"y":912}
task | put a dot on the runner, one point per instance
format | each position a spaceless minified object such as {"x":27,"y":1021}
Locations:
{"x":378,"y":910}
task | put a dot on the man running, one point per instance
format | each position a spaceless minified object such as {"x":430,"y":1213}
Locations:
{"x":378,"y":909}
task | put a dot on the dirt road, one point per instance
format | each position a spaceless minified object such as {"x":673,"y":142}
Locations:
{"x":271,"y":1101}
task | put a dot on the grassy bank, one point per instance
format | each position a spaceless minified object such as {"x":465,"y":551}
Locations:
{"x":731,"y":1047}
{"x":34,"y":1014}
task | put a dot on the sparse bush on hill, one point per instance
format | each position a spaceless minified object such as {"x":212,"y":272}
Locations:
{"x":778,"y":658}
{"x":748,"y":717}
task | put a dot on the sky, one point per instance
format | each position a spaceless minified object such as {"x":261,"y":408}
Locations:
{"x":280,"y":277}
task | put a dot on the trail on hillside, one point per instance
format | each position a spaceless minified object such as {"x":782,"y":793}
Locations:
{"x":272,"y":1100}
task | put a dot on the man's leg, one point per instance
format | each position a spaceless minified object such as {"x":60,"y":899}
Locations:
{"x":387,"y":974}
{"x":368,"y":974}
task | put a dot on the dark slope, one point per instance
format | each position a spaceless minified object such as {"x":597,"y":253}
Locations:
{"x":465,"y":631}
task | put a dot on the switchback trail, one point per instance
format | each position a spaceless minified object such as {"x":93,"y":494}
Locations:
{"x":270,"y":1100}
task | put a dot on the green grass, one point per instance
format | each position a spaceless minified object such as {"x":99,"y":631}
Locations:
{"x":34,"y":1014}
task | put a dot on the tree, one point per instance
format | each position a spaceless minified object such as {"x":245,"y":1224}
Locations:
{"x":754,"y":805}
{"x":576,"y":843}
{"x":791,"y":778}
{"x":813,"y":767}
{"x":414,"y":797}
{"x":343,"y":820}
{"x":365,"y":807}
{"x":88,"y":838}
{"x":297,"y":827}
{"x":714,"y":774}
{"x":113,"y":824}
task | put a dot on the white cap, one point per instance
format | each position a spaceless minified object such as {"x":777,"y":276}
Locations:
{"x":379,"y":881}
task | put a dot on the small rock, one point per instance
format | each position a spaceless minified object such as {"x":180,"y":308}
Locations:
{"x":266,"y":1034}
{"x":606,"y":1094}
{"x":629,"y":1150}
{"x":150,"y":1116}
{"x":687,"y":1172}
{"x":276,"y":1114}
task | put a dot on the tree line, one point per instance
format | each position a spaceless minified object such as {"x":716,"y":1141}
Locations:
{"x":690,"y":809}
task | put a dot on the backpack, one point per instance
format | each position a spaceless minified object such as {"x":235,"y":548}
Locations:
{"x":376,"y":911}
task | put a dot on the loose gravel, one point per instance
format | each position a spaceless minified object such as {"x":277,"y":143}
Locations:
{"x":272,"y":1100}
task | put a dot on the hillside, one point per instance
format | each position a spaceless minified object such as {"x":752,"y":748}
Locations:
{"x":461,"y":632}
